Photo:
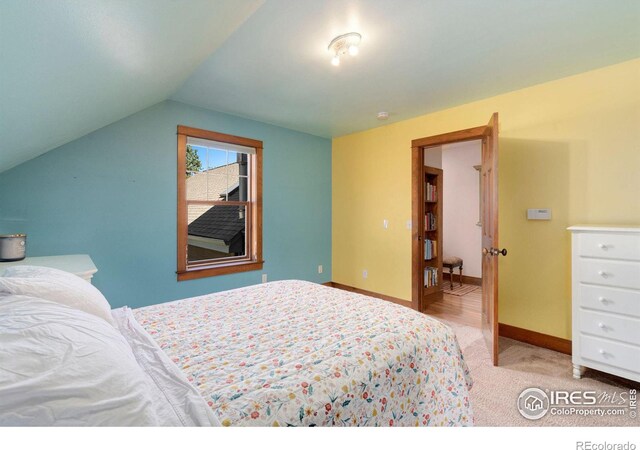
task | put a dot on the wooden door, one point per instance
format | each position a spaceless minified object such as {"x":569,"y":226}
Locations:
{"x":490,"y":251}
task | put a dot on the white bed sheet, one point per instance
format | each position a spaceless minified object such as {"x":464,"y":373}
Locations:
{"x":170,"y":384}
{"x":60,"y":366}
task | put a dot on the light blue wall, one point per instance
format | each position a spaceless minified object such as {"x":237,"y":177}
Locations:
{"x":112,"y":194}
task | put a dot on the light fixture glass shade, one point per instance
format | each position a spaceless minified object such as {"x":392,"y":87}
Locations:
{"x":344,"y":44}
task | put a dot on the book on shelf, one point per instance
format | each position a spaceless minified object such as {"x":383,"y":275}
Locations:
{"x":430,"y":222}
{"x":430,"y":277}
{"x":430,"y":249}
{"x":430,"y":192}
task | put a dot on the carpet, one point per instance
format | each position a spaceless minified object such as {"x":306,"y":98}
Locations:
{"x":496,"y":389}
{"x":459,"y":290}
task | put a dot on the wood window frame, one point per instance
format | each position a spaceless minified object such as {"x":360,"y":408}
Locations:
{"x":254,"y":260}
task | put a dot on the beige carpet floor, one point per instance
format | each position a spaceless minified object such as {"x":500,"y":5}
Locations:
{"x":496,"y":389}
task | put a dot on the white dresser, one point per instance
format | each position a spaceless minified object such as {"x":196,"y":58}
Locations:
{"x":80,"y":265}
{"x":606,"y":300}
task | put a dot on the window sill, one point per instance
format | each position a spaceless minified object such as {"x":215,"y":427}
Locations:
{"x":212,"y":271}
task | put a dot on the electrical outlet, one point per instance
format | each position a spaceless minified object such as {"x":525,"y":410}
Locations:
{"x":320,"y":268}
{"x":264,"y":277}
{"x":365,"y":274}
{"x":385,"y":224}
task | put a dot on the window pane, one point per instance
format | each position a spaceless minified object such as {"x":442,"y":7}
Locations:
{"x":216,"y":159}
{"x":241,"y":165}
{"x":233,"y":172}
{"x":214,"y":173}
{"x":241,"y":159}
{"x":243,"y":189}
{"x":216,"y":232}
{"x":196,"y":173}
{"x":206,"y":173}
{"x":217,"y":184}
{"x":196,"y":159}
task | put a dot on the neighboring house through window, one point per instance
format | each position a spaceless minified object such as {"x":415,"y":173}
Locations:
{"x":219,"y":203}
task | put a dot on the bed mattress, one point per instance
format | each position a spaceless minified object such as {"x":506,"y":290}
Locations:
{"x":294,"y":353}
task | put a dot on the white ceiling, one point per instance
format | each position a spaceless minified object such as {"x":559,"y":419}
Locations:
{"x":416,"y":56}
{"x":70,"y":67}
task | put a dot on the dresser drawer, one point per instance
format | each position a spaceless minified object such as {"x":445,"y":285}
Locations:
{"x":624,"y":329}
{"x":614,"y":246}
{"x":615,"y":354}
{"x":601,"y":298}
{"x":625,"y":274}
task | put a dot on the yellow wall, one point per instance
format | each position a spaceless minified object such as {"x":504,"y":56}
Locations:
{"x":572,"y":145}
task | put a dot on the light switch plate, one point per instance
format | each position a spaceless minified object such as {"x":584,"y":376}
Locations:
{"x":539,"y":214}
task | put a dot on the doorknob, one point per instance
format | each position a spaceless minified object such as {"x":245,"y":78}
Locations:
{"x":496,"y":252}
{"x":485,"y":251}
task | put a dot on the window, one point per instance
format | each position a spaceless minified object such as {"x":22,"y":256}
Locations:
{"x":219,"y":204}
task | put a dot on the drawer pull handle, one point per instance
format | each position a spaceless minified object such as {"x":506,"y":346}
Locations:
{"x":603,"y":246}
{"x":603,"y":274}
{"x":602,"y":352}
{"x":602,"y":326}
{"x":603,"y":300}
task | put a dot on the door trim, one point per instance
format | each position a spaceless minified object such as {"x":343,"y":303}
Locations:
{"x":417,"y":200}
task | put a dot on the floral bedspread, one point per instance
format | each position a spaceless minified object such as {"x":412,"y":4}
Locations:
{"x":299,"y":353}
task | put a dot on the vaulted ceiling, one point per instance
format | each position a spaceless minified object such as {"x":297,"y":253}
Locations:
{"x":69,"y":67}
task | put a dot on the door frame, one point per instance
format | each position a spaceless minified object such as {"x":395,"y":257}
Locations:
{"x":417,"y":198}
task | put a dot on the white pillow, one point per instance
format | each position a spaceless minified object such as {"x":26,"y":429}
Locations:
{"x":57,"y":286}
{"x":62,"y":366}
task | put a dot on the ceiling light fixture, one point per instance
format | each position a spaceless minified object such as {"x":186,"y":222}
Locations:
{"x":343,"y":44}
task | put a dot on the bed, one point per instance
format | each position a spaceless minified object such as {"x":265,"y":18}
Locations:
{"x":285,"y":353}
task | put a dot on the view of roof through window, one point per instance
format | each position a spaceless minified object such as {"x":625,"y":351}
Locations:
{"x":216,"y":172}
